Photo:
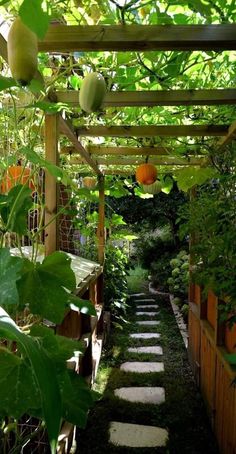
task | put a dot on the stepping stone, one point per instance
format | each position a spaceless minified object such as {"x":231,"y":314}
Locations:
{"x":149,"y":322}
{"x":134,"y":295}
{"x":148,"y":306}
{"x":145,"y":336}
{"x":151,"y":314}
{"x":137,"y":435}
{"x":149,"y":300}
{"x":142,"y":367}
{"x":145,"y":395}
{"x":149,"y":349}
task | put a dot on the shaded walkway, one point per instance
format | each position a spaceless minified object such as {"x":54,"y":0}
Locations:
{"x":168,"y":398}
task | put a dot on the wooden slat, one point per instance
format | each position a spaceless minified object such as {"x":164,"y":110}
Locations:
{"x":166,"y":160}
{"x":51,"y":189}
{"x":156,"y":98}
{"x":231,"y":135}
{"x":67,"y":129}
{"x":3,"y":48}
{"x":153,"y":131}
{"x":128,"y":151}
{"x":64,"y":38}
{"x":101,"y":222}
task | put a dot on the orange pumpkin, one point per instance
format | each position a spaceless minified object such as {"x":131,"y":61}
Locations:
{"x":89,"y":182}
{"x":16,"y":175}
{"x":146,"y":174}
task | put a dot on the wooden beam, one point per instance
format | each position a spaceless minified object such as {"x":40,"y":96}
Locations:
{"x":67,"y":129}
{"x":231,"y":135}
{"x":65,"y":38}
{"x":165,"y":160}
{"x":117,"y":151}
{"x":51,"y":187}
{"x":3,"y":48}
{"x":153,"y":131}
{"x":101,"y":221}
{"x":156,"y":98}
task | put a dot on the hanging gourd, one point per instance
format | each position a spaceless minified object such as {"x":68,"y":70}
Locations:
{"x":92,"y":92}
{"x":90,"y":182}
{"x":16,"y":175}
{"x":146,"y":174}
{"x":22,"y":50}
{"x":153,"y":188}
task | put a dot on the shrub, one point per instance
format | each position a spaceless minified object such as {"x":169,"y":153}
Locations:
{"x":178,"y":281}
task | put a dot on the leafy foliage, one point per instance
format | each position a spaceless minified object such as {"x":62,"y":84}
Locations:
{"x":179,"y":279}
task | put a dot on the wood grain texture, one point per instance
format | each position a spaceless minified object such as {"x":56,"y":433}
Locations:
{"x":64,"y":38}
{"x":153,"y":131}
{"x":156,"y":98}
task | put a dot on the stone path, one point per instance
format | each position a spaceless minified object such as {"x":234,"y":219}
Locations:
{"x":136,"y":435}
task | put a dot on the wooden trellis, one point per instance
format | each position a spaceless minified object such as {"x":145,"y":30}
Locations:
{"x":205,"y":343}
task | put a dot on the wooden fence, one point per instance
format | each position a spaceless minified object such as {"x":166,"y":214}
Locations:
{"x":209,"y":342}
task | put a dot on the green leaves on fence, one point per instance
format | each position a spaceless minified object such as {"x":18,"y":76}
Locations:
{"x":53,"y":279}
{"x":44,"y":374}
{"x":10,"y":268}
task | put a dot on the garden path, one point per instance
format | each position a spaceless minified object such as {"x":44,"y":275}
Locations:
{"x":150,"y":403}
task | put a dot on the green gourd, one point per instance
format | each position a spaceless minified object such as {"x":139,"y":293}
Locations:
{"x":92,"y":92}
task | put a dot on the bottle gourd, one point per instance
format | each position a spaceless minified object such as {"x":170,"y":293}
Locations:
{"x":22,"y":48}
{"x":92,"y":92}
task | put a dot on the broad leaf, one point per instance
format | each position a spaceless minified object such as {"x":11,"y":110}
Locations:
{"x":10,"y":268}
{"x":54,"y":280}
{"x":192,"y":176}
{"x":14,"y":209}
{"x":34,"y":17}
{"x":18,"y":387}
{"x":44,"y":374}
{"x":7,"y":82}
{"x":84,"y":306}
{"x":59,"y":348}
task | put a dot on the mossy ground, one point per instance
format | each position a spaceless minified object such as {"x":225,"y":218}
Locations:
{"x":183,"y":413}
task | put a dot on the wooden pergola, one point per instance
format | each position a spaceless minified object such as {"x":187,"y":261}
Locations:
{"x":63,"y":38}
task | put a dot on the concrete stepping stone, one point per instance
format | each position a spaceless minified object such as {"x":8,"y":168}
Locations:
{"x":142,"y":367}
{"x":145,"y":335}
{"x":147,"y":306}
{"x":137,"y":435}
{"x":149,"y":322}
{"x":145,"y":395}
{"x":146,"y":300}
{"x":151,"y":314}
{"x":156,"y":350}
{"x":135,"y":295}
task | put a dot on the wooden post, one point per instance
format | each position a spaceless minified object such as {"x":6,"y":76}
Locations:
{"x":51,"y":189}
{"x":101,"y":221}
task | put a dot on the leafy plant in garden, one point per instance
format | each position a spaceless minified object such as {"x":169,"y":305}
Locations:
{"x":211,"y":222}
{"x":179,"y":279}
{"x":115,"y":275}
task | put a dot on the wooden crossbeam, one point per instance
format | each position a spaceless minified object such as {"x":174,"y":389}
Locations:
{"x":3,"y":48}
{"x":165,"y":160}
{"x":153,"y":131}
{"x":67,"y":129}
{"x":130,"y":151}
{"x":156,"y":98}
{"x":65,"y":38}
{"x":231,"y":135}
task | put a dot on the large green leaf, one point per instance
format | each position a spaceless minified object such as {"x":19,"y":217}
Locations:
{"x":10,"y":268}
{"x":59,"y":348}
{"x":54,"y":280}
{"x":192,"y":176}
{"x":18,"y":388}
{"x":34,"y":17}
{"x":44,"y":373}
{"x":76,"y":397}
{"x":84,"y":306}
{"x":14,"y":209}
{"x":7,"y":82}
